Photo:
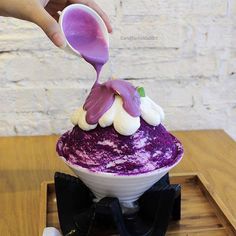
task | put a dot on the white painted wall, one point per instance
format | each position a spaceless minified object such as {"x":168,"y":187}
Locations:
{"x":182,"y":51}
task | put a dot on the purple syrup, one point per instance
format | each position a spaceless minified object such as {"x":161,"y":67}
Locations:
{"x":102,"y":97}
{"x":83,"y":33}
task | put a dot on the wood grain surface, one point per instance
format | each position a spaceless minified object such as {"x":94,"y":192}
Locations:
{"x":25,"y":162}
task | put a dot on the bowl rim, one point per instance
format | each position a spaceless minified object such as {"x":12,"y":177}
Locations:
{"x":122,"y":176}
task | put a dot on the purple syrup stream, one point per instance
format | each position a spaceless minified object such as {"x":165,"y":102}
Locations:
{"x":85,"y":36}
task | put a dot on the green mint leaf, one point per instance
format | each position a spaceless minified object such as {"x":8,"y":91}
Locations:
{"x":141,"y":91}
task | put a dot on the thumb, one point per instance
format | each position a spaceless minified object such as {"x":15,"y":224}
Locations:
{"x":50,"y":26}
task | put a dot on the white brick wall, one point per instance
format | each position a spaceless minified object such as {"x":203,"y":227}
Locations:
{"x":182,"y":51}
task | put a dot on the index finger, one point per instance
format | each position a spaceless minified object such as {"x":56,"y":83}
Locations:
{"x":95,"y":7}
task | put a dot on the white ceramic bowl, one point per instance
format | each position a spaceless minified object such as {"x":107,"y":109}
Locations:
{"x":91,"y":12}
{"x":127,"y":188}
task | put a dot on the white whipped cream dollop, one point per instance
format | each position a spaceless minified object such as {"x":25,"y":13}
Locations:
{"x":151,"y":112}
{"x":123,"y":123}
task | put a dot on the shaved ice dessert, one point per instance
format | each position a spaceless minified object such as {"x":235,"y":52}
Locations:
{"x":119,"y":131}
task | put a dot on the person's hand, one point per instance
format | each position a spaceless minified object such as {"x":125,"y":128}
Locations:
{"x":44,"y":14}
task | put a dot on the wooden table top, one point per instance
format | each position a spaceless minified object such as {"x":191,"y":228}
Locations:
{"x":27,"y":161}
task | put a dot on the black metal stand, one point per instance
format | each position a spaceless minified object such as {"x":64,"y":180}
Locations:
{"x":80,"y":216}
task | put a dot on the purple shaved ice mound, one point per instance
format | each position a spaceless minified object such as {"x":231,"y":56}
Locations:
{"x":105,"y":150}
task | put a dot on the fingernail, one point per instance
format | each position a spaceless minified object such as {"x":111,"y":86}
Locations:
{"x":59,"y":40}
{"x":110,"y":30}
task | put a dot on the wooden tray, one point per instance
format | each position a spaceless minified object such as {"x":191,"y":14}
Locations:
{"x":203,"y":214}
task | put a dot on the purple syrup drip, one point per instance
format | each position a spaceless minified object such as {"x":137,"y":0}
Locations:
{"x":104,"y":150}
{"x":84,"y":34}
{"x":102,"y":97}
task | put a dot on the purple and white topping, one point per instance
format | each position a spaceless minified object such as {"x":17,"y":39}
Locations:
{"x":117,"y":103}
